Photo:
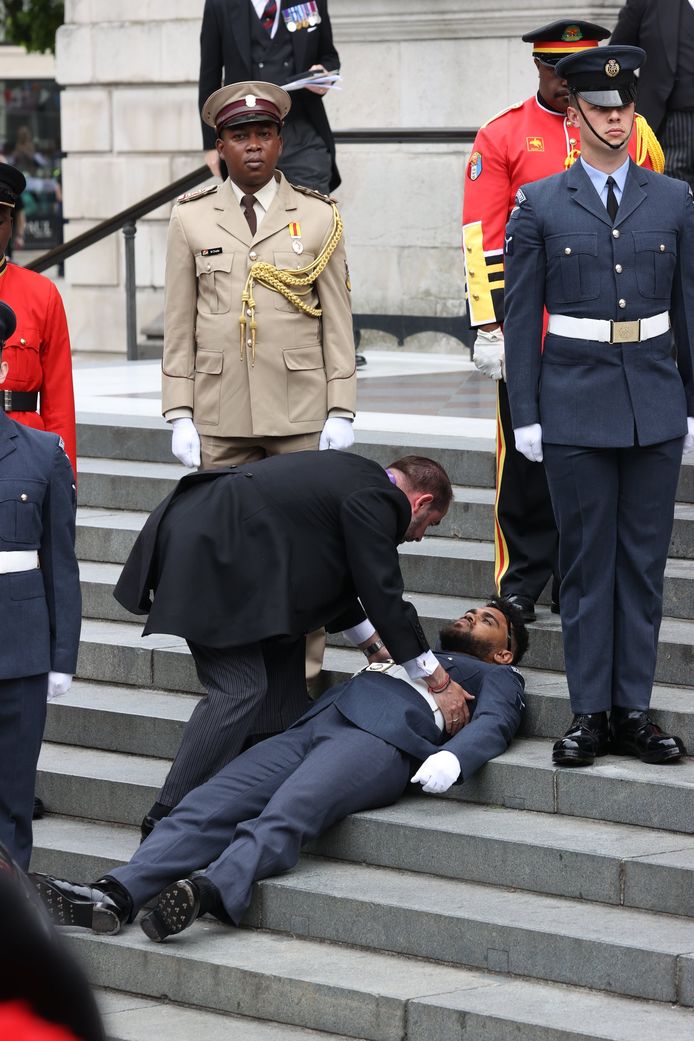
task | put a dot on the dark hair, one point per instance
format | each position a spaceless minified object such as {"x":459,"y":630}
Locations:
{"x":514,"y":617}
{"x":426,"y":475}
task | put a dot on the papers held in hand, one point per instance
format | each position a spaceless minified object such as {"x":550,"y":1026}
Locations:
{"x":328,"y":80}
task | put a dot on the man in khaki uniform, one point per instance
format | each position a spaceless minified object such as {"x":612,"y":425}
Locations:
{"x":258,"y":342}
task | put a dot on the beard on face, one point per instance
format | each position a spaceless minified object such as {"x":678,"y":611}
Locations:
{"x":453,"y":639}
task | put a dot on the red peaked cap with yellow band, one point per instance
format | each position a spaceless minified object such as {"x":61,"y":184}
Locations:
{"x":251,"y":101}
{"x":553,"y":42}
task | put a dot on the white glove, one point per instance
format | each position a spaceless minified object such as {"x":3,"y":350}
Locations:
{"x":185,"y":441}
{"x":488,"y":353}
{"x":338,"y":433}
{"x":529,"y":442}
{"x":58,"y":683}
{"x":438,"y":772}
{"x":688,"y":443}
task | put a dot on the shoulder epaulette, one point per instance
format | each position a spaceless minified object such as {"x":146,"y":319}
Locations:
{"x":197,"y":193}
{"x":509,"y":108}
{"x":312,"y":191}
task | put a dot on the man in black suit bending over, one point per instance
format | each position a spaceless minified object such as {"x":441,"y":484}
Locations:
{"x":354,"y":750}
{"x":245,"y":561}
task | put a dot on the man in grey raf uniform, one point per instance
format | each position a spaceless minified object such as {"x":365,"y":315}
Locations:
{"x":258,"y":342}
{"x":40,"y":604}
{"x":608,"y":248}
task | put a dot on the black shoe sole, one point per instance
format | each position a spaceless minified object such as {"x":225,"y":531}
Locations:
{"x":64,"y":911}
{"x":177,"y":908}
{"x":661,"y":758}
{"x":575,"y":759}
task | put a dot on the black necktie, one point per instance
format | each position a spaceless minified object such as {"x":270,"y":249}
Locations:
{"x":612,"y":204}
{"x":247,"y":203}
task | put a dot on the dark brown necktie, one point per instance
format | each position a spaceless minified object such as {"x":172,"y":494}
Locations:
{"x":247,"y":203}
{"x":612,"y":204}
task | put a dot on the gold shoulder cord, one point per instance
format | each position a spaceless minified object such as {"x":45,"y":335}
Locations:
{"x":288,"y":283}
{"x":648,"y":146}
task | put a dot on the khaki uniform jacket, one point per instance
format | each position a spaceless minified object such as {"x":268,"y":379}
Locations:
{"x":303,"y":366}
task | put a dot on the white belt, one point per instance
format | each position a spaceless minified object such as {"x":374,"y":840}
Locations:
{"x":18,"y":560}
{"x":609,"y":332}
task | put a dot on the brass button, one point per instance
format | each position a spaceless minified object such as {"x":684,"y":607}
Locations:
{"x":253,"y":255}
{"x":249,"y":342}
{"x":662,"y":247}
{"x":475,"y":296}
{"x":472,"y":274}
{"x":24,"y":496}
{"x":209,"y":267}
{"x":622,"y":303}
{"x":615,"y":233}
{"x":618,"y":268}
{"x":22,"y":341}
{"x":568,"y":251}
{"x":469,"y":249}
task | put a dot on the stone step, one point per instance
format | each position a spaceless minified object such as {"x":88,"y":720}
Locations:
{"x":366,"y":994}
{"x":128,"y":1017}
{"x":542,"y":853}
{"x":104,"y":657}
{"x":141,"y":439}
{"x":150,"y":722}
{"x":623,"y":951}
{"x":115,"y":786}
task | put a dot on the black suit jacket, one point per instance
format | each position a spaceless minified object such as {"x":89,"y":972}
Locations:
{"x":282,"y":546}
{"x":395,"y":712}
{"x":225,"y":57}
{"x":653,"y":25}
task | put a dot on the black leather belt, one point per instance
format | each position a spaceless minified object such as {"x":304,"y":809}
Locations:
{"x":18,"y":400}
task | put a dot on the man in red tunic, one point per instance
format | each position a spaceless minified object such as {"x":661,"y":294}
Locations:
{"x":525,"y":142}
{"x":38,"y":389}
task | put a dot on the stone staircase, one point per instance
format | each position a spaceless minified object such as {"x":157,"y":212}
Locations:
{"x":531,"y":904}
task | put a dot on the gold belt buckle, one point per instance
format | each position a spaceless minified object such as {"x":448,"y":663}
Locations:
{"x":625,"y":332}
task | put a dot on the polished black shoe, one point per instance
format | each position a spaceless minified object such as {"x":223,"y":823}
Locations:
{"x":586,"y":738}
{"x":177,"y":907}
{"x":72,"y":903}
{"x":525,"y":604}
{"x":635,"y":733}
{"x":360,"y":360}
{"x":39,"y":808}
{"x":554,"y":603}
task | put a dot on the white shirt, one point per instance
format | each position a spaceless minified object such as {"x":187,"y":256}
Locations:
{"x":259,"y":6}
{"x":398,"y":672}
{"x":263,"y":198}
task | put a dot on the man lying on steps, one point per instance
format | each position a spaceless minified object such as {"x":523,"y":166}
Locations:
{"x":355,"y":749}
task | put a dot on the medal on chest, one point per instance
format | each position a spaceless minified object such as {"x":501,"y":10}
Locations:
{"x":295,"y":233}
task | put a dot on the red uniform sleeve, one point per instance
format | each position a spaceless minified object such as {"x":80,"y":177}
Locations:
{"x":57,"y":405}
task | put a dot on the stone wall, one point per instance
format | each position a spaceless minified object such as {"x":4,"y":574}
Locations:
{"x":130,"y":126}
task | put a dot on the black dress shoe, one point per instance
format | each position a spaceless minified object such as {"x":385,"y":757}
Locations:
{"x":635,"y":733}
{"x":360,"y":360}
{"x":554,"y":603}
{"x":525,"y":604}
{"x":72,"y":903}
{"x":177,"y":907}
{"x":39,"y":808}
{"x":586,"y":738}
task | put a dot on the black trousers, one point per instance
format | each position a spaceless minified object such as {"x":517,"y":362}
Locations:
{"x":22,"y":719}
{"x":258,"y":688}
{"x":677,"y":139}
{"x":614,"y":509}
{"x":251,"y":820}
{"x":525,"y":532}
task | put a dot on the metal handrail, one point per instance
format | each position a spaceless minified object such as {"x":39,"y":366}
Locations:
{"x":127,"y":219}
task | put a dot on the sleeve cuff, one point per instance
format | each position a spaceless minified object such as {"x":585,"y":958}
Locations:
{"x":358,"y":633}
{"x":182,"y":412}
{"x":342,"y":413}
{"x":423,"y":665}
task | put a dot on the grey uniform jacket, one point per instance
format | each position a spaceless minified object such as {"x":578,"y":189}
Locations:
{"x":563,"y":253}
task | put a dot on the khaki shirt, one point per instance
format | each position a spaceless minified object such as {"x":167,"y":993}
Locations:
{"x":303,"y":366}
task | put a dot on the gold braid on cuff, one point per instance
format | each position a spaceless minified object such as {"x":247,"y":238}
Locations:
{"x":289,"y":283}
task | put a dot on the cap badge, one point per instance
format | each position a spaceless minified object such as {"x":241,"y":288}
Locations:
{"x":535,"y":144}
{"x":250,"y":100}
{"x":613,"y":68}
{"x":571,"y":34}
